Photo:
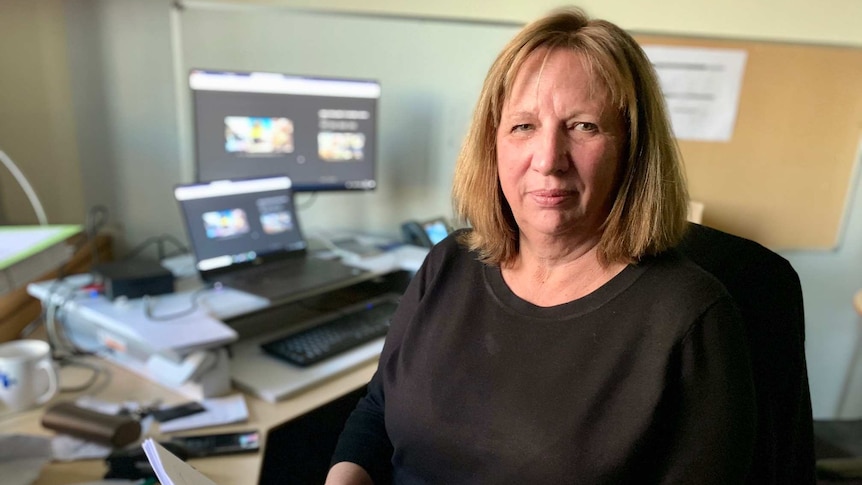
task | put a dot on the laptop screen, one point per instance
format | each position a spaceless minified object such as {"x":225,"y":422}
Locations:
{"x":237,"y":223}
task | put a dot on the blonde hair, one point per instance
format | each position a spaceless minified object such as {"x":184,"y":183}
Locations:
{"x":648,"y":214}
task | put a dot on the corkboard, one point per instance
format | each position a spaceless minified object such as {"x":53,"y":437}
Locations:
{"x":784,"y":177}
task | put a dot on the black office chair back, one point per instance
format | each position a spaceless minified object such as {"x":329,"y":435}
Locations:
{"x":299,"y":451}
{"x":767,"y":291}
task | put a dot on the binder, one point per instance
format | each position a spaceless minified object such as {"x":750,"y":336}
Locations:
{"x":28,"y":252}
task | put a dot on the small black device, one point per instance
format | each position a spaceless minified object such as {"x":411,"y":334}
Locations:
{"x":425,"y":233}
{"x":134,"y":278}
{"x":342,"y":332}
{"x":199,"y":446}
{"x":178,"y":411}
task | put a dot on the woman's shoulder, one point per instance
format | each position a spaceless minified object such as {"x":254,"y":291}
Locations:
{"x":682,"y":277}
{"x":451,"y":246}
{"x":450,"y":252}
{"x":447,"y":260}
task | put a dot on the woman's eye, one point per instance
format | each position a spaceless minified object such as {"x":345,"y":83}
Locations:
{"x":522,"y":127}
{"x":585,"y":126}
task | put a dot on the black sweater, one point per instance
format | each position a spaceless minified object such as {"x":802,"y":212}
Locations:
{"x":645,"y":380}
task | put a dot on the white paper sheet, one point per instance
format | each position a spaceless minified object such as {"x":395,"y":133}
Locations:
{"x":69,"y":448}
{"x":701,"y":87}
{"x":169,"y":469}
{"x":22,"y":458}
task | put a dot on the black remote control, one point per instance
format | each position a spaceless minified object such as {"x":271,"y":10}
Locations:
{"x":199,"y":446}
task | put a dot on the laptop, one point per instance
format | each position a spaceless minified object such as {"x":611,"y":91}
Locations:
{"x":245,"y":235}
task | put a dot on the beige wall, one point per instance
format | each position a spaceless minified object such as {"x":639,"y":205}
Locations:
{"x":37,"y":131}
{"x":826,"y":21}
{"x":36,"y":127}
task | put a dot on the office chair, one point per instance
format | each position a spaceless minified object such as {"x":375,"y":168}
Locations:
{"x":767,"y":291}
{"x":299,"y":451}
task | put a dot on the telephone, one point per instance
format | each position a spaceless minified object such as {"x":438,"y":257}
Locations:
{"x":425,"y":233}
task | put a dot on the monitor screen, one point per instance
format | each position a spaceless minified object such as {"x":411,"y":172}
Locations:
{"x":320,"y":132}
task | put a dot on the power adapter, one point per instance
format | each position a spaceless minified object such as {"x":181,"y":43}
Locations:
{"x":134,"y":279}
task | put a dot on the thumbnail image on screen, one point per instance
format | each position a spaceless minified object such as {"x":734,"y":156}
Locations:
{"x":274,"y":214}
{"x":340,"y":147}
{"x":225,"y":224}
{"x":250,"y":135}
{"x":275,"y":222}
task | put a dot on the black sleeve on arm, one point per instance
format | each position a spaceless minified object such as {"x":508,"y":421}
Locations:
{"x":364,"y":440}
{"x":711,"y":426}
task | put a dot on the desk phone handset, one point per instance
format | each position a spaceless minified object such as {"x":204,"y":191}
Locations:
{"x":426,"y":233}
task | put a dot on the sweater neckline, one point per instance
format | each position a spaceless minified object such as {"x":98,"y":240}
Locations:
{"x":593,"y":301}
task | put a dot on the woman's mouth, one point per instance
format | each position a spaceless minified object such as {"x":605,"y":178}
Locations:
{"x":551,"y":197}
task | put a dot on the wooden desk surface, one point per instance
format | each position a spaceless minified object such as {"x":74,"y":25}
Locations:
{"x":123,"y":385}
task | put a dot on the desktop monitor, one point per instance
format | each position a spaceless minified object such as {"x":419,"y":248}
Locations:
{"x":320,"y":132}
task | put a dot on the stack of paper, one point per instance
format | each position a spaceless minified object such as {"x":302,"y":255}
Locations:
{"x":169,"y":469}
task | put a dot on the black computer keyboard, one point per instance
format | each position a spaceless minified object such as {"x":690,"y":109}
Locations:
{"x":342,"y":332}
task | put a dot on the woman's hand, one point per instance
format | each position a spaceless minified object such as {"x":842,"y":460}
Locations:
{"x":346,"y":473}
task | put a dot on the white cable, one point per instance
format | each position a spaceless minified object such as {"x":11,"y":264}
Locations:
{"x":25,"y":185}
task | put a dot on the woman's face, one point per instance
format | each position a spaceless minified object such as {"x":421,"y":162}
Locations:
{"x":558,"y":148}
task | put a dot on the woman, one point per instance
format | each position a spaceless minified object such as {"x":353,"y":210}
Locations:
{"x":561,"y":339}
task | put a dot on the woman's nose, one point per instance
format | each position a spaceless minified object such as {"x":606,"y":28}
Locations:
{"x":550,"y":155}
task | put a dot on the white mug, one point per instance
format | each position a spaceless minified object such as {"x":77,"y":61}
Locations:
{"x":27,"y":374}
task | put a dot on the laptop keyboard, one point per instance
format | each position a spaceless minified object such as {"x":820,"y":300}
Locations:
{"x":290,"y":277}
{"x":340,"y":333}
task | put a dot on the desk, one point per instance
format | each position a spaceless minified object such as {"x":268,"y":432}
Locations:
{"x":225,"y":470}
{"x":125,"y":385}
